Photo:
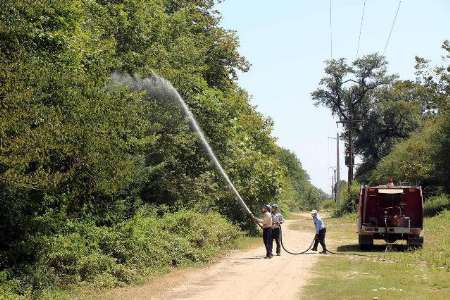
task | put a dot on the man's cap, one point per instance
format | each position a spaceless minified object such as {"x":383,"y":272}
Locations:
{"x":314,"y":212}
{"x":274,"y":206}
{"x":267,"y":206}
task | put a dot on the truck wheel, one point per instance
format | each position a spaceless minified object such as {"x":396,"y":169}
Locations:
{"x":365,"y":242}
{"x":415,"y":242}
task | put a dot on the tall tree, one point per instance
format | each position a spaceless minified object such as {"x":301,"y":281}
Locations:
{"x":347,"y":91}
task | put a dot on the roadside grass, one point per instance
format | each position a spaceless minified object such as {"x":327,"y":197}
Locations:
{"x":245,"y":242}
{"x":400,"y":274}
{"x":301,"y":222}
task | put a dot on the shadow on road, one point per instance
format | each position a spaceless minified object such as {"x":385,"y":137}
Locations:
{"x":375,"y":248}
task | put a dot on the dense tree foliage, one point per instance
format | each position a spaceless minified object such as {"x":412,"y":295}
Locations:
{"x":74,"y":147}
{"x":423,"y":157}
{"x":391,"y":118}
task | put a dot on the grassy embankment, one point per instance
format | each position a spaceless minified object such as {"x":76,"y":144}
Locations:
{"x":400,"y":274}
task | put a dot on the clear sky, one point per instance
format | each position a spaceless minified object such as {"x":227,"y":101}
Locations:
{"x":287,"y":42}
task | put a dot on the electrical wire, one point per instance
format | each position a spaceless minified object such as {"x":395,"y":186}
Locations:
{"x":360,"y":28}
{"x":331,"y":34}
{"x":392,"y":26}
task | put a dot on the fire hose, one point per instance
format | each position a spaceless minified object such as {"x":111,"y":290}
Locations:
{"x":302,"y":252}
{"x":160,"y":88}
{"x":296,"y":253}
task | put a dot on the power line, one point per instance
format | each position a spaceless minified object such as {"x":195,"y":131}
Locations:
{"x":392,"y":26}
{"x":360,"y":28}
{"x":331,"y":35}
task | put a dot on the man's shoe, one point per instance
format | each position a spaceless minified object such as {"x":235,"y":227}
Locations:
{"x":278,"y":254}
{"x":323,"y":252}
{"x":314,"y":249}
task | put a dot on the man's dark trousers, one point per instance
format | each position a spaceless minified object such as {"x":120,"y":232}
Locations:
{"x":320,"y":239}
{"x":267,"y":238}
{"x":276,"y":237}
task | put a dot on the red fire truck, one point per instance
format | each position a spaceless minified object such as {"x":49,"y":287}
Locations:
{"x":390,"y":213}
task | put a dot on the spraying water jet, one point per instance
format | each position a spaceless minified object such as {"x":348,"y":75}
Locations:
{"x":159,"y":88}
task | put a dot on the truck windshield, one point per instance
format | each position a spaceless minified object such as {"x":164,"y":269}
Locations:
{"x":390,"y":191}
{"x":391,"y":199}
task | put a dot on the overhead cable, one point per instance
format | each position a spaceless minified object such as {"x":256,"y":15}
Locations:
{"x":392,"y":26}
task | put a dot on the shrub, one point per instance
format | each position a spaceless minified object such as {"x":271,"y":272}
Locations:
{"x":436,"y":204}
{"x":11,"y":288}
{"x":328,"y":204}
{"x":101,"y":256}
{"x":348,"y":201}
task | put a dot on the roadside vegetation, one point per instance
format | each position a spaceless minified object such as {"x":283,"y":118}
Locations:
{"x":402,"y":127}
{"x":403,"y":132}
{"x":129,"y":252}
{"x":100,"y":185}
{"x":399,"y":274}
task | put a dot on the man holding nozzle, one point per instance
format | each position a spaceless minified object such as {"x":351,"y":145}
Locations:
{"x":266,"y":224}
{"x":277,"y":220}
{"x":320,"y":232}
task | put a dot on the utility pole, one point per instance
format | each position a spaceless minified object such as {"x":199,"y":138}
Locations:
{"x":350,"y":158}
{"x":351,"y":162}
{"x":338,"y":171}
{"x":333,"y":185}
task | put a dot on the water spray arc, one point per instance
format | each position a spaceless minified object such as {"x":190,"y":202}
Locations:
{"x":161,"y":89}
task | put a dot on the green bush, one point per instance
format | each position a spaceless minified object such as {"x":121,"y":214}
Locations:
{"x":436,"y":204}
{"x":328,"y":204}
{"x":348,"y":201}
{"x":11,"y":288}
{"x":100,"y":256}
{"x":421,"y":159}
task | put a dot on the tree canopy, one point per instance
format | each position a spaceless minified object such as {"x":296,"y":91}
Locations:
{"x":75,"y":148}
{"x":395,"y":126}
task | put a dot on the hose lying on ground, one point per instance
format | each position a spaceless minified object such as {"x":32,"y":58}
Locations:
{"x":302,"y":252}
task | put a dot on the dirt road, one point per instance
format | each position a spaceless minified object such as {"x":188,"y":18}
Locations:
{"x":240,"y":275}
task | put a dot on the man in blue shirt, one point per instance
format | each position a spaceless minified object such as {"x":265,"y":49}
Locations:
{"x":320,"y":232}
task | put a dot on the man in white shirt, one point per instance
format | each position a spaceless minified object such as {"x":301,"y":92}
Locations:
{"x":277,"y":220}
{"x":266,"y":224}
{"x":321,"y":231}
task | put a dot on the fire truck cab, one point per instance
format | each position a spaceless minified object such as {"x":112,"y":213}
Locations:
{"x":390,"y":213}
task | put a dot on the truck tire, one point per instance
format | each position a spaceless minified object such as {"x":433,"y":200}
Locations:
{"x":365,"y":242}
{"x":415,"y":242}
